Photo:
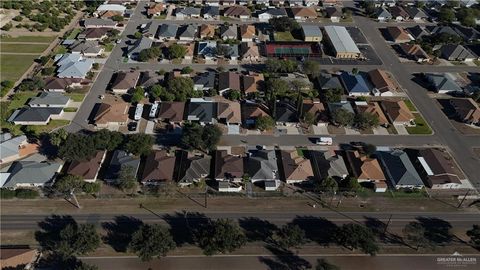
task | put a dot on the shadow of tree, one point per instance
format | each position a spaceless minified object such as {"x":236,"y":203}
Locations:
{"x":437,"y":231}
{"x":183,"y":225}
{"x":119,"y":232}
{"x":257,"y":229}
{"x":284,"y":259}
{"x":50,"y":228}
{"x":317,"y":229}
{"x":378,"y":228}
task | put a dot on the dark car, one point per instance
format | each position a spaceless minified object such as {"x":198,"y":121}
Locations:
{"x":132,"y":126}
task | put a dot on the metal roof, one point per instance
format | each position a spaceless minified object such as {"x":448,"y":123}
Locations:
{"x":341,"y":39}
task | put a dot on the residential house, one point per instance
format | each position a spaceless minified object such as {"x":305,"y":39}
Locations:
{"x":111,"y":114}
{"x":330,"y":3}
{"x":190,"y":50}
{"x":247,"y":32}
{"x":18,"y":258}
{"x":296,"y":168}
{"x":49,"y":100}
{"x":149,"y":78}
{"x":468,"y":34}
{"x":398,"y":34}
{"x":228,"y":2}
{"x":311,"y":33}
{"x":35,"y":116}
{"x":94,"y":34}
{"x":110,"y":7}
{"x":452,"y":52}
{"x":398,"y":113}
{"x":207,"y":49}
{"x":341,"y":42}
{"x":295,"y":3}
{"x":315,"y":108}
{"x":355,"y":84}
{"x":26,"y":174}
{"x":383,"y":15}
{"x":399,"y":169}
{"x":171,"y":112}
{"x":139,"y":45}
{"x":228,"y":32}
{"x":214,"y":3}
{"x":159,"y":168}
{"x":87,"y":169}
{"x":120,"y":160}
{"x":99,"y":23}
{"x":202,"y":110}
{"x":383,"y":82}
{"x":187,"y":13}
{"x":187,"y":32}
{"x":334,"y":13}
{"x":261,"y":166}
{"x":297,"y":81}
{"x":192,"y":168}
{"x":229,"y":113}
{"x":328,"y":81}
{"x":13,"y":148}
{"x":228,"y":167}
{"x":155,"y":9}
{"x":416,"y":14}
{"x":240,"y":12}
{"x":225,"y":186}
{"x":73,"y":65}
{"x":437,"y":30}
{"x":328,"y":164}
{"x":333,"y":107}
{"x":252,"y":82}
{"x":443,"y":83}
{"x":211,"y":12}
{"x":438,"y":169}
{"x":365,"y":169}
{"x":277,"y":3}
{"x":414,"y":52}
{"x":466,"y":110}
{"x":228,"y":81}
{"x":249,"y":51}
{"x":399,"y":14}
{"x":286,"y":113}
{"x":206,"y":31}
{"x":124,"y":81}
{"x":204,"y":81}
{"x":374,"y":109}
{"x":266,"y":15}
{"x":228,"y":51}
{"x":304,"y":13}
{"x":167,"y":32}
{"x":252,"y":111}
{"x":418,"y":31}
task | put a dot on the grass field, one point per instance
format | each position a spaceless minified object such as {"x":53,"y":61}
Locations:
{"x":421,"y":126}
{"x":23,"y":48}
{"x":410,"y":105}
{"x":13,"y":66}
{"x":284,"y":36}
{"x":70,"y":109}
{"x":53,"y":124}
{"x":74,"y":33}
{"x":27,"y":39}
{"x":77,"y":97}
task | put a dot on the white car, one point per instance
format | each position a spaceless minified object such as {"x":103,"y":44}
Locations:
{"x":324,"y":141}
{"x":138,"y":112}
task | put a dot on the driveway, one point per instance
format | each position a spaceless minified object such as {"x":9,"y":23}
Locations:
{"x":380,"y":131}
{"x":319,"y":130}
{"x":401,"y":129}
{"x":233,"y":129}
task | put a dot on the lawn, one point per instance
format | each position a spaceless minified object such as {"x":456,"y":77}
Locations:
{"x":28,"y":39}
{"x":53,"y":124}
{"x":421,"y":126}
{"x":23,"y":48}
{"x":161,"y":17}
{"x":301,"y":151}
{"x":74,"y":33}
{"x":70,"y":109}
{"x":8,"y":107}
{"x":13,"y":66}
{"x":109,"y":47}
{"x":283,"y":36}
{"x":77,"y":97}
{"x":410,"y":105}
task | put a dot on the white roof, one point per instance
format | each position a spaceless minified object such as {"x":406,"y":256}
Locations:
{"x":113,"y":7}
{"x":425,"y":165}
{"x":341,"y":39}
{"x":10,"y":147}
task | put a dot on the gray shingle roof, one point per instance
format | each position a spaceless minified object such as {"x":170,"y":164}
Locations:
{"x":443,"y":82}
{"x":262,"y":165}
{"x":192,"y":168}
{"x":399,"y":168}
{"x":120,"y":159}
{"x":202,"y":111}
{"x":30,"y":172}
{"x":328,"y":164}
{"x":10,"y":146}
{"x":286,"y":113}
{"x":49,"y":99}
{"x":187,"y":31}
{"x":334,"y":106}
{"x":167,"y":31}
{"x":34,"y":114}
{"x":311,"y":31}
{"x":86,"y":47}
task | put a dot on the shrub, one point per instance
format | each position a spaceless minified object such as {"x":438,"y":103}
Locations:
{"x":7,"y":193}
{"x":24,"y":193}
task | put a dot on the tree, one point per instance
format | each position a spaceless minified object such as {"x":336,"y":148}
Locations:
{"x":282,"y":24}
{"x":289,"y":236}
{"x":58,"y":137}
{"x":233,"y":95}
{"x":158,"y":91}
{"x":355,"y":236}
{"x":150,"y":241}
{"x":138,"y":94}
{"x":91,"y":188}
{"x":354,"y":71}
{"x":350,"y":184}
{"x":119,"y":18}
{"x":369,"y":8}
{"x":467,"y":16}
{"x":328,"y":184}
{"x":474,"y":235}
{"x":77,"y":147}
{"x":68,"y":183}
{"x":210,"y":137}
{"x":105,"y":139}
{"x":176,"y":51}
{"x":139,"y":144}
{"x":309,"y":118}
{"x":333,"y":95}
{"x":18,"y":18}
{"x":220,"y":236}
{"x":323,"y":264}
{"x":446,"y":15}
{"x":181,"y":87}
{"x":77,"y":239}
{"x":137,"y":35}
{"x":264,"y":123}
{"x":277,"y":87}
{"x":127,"y":178}
{"x":369,"y":149}
{"x":282,"y":66}
{"x":365,"y":120}
{"x":311,"y":68}
{"x":190,"y":135}
{"x":415,"y":234}
{"x":7,"y":27}
{"x":343,"y":117}
{"x":150,"y":53}
{"x":186,"y":70}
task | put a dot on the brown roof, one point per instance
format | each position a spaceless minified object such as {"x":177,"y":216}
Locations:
{"x":207,"y":30}
{"x":11,"y":258}
{"x":173,"y":111}
{"x":397,"y":11}
{"x":296,"y":167}
{"x":364,"y":167}
{"x":125,"y":80}
{"x":373,"y":108}
{"x":252,"y":111}
{"x":95,"y":32}
{"x":229,"y":80}
{"x":236,"y":11}
{"x":227,"y":166}
{"x":466,"y":109}
{"x":316,"y":108}
{"x":110,"y":13}
{"x":159,"y":166}
{"x":155,"y":8}
{"x":382,"y":80}
{"x":252,"y":82}
{"x":61,"y":83}
{"x":304,"y":12}
{"x":249,"y":50}
{"x":441,"y":165}
{"x":87,"y":169}
{"x":229,"y":110}
{"x":247,"y":31}
{"x":398,"y":34}
{"x":111,"y":111}
{"x":397,"y":111}
{"x":414,"y":50}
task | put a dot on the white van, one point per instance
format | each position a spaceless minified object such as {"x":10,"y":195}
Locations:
{"x":138,"y":112}
{"x":153,"y":110}
{"x":324,"y":141}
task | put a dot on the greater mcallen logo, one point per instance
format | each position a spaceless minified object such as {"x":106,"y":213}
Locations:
{"x":456,"y":260}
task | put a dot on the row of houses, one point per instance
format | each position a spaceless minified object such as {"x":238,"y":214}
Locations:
{"x":268,"y":3}
{"x":191,"y":32}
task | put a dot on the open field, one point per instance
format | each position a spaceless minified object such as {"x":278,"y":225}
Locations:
{"x":284,"y":36}
{"x":23,"y":48}
{"x":13,"y":66}
{"x":28,"y":39}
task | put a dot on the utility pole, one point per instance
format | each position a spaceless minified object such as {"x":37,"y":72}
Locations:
{"x":464,"y":197}
{"x":72,"y":193}
{"x":388,"y":223}
{"x":206,"y":189}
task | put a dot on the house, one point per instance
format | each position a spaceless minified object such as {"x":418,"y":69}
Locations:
{"x":49,"y":99}
{"x":228,"y":32}
{"x":311,"y":33}
{"x":438,"y":30}
{"x":192,"y":168}
{"x":124,"y":81}
{"x":374,"y":109}
{"x":333,"y":107}
{"x":35,"y":116}
{"x":466,"y":110}
{"x":155,"y":9}
{"x":261,"y":166}
{"x":452,"y":52}
{"x":187,"y":13}
{"x":329,"y":3}
{"x":139,"y":45}
{"x":94,"y":34}
{"x":286,"y":113}
{"x":111,"y":114}
{"x":418,"y":31}
{"x":229,"y":51}
{"x":247,"y":32}
{"x":398,"y":34}
{"x":228,"y":167}
{"x":341,"y":42}
{"x":468,"y":34}
{"x":399,"y":169}
{"x":121,"y":159}
{"x":365,"y":169}
{"x":206,"y":31}
{"x":149,"y":78}
{"x":266,"y":15}
{"x":99,"y":23}
{"x":204,"y":81}
{"x":167,"y":32}
{"x":202,"y":110}
{"x":207,"y":49}
{"x":399,"y":14}
{"x":225,"y":186}
{"x":228,"y":2}
{"x":111,"y":7}
{"x":229,"y":112}
{"x":87,"y":169}
{"x":398,"y":113}
{"x":190,"y":50}
{"x":214,"y":3}
{"x":171,"y":111}
{"x":73,"y":65}
{"x":249,"y":51}
{"x":13,"y":148}
{"x":109,"y":14}
{"x":252,"y":82}
{"x":296,"y":168}
{"x":252,"y":111}
{"x":211,"y":12}
{"x":298,"y":81}
{"x":159,"y":168}
{"x":26,"y":174}
{"x":328,"y":81}
{"x":383,"y":82}
{"x":240,"y":12}
{"x":355,"y":84}
{"x":383,"y":15}
{"x":294,"y":3}
{"x":228,"y":81}
{"x":304,"y":13}
{"x":438,"y":169}
{"x":315,"y":108}
{"x":328,"y":164}
{"x":414,"y":52}
{"x":334,"y":13}
{"x":415,"y":13}
{"x":187,"y":32}
{"x":443,"y":83}
{"x":277,"y":3}
{"x":18,"y":258}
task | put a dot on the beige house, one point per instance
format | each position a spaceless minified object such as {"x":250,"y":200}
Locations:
{"x":296,"y":168}
{"x":111,"y":114}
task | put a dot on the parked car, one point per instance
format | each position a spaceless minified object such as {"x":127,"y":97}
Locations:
{"x":324,"y":141}
{"x":132,"y":126}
